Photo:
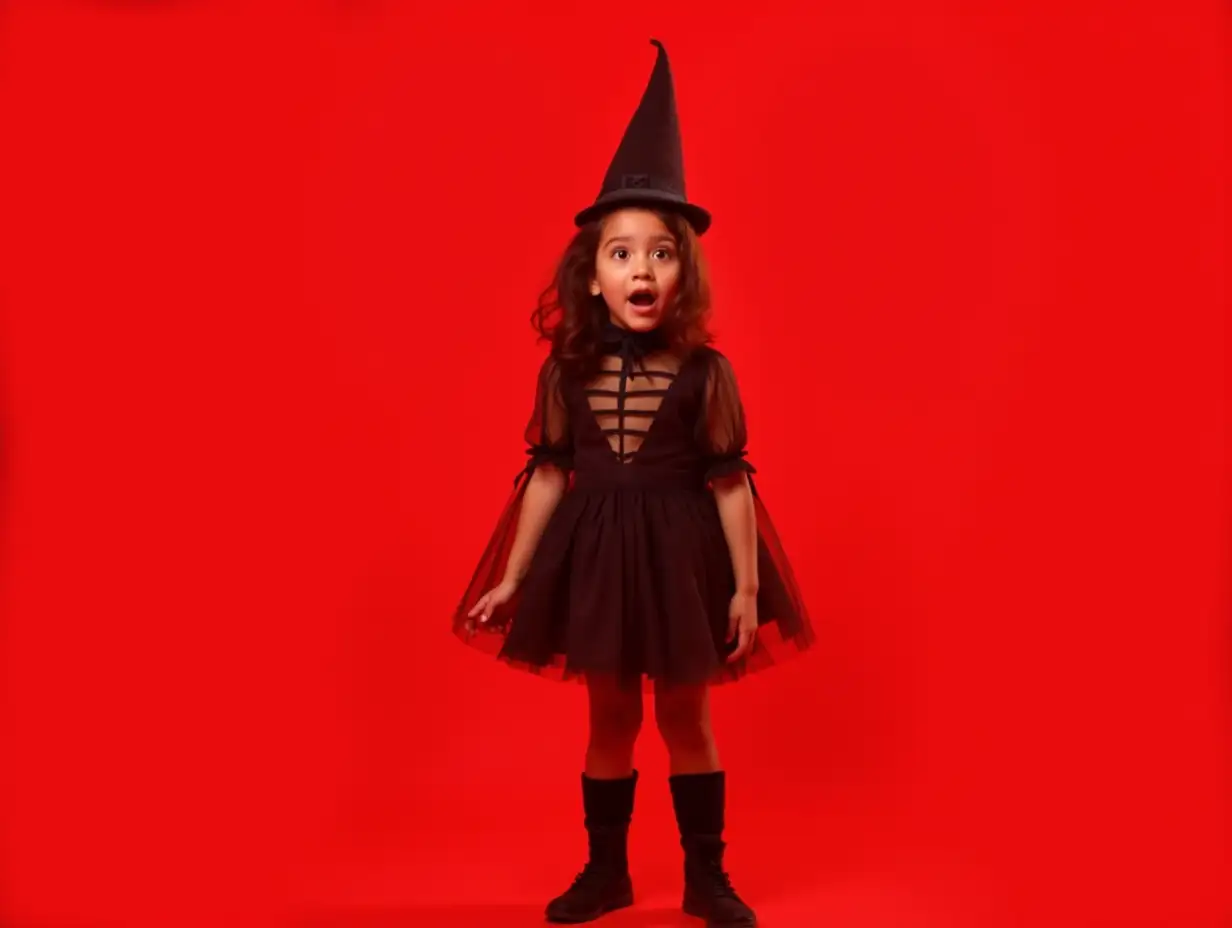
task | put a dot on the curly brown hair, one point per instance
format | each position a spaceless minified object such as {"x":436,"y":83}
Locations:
{"x":572,"y":319}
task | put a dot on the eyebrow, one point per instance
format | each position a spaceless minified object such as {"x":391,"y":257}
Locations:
{"x":625,"y":238}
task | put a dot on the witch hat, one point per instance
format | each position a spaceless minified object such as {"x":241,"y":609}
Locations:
{"x":648,"y":169}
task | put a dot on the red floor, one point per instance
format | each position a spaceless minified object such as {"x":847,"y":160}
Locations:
{"x":792,"y":875}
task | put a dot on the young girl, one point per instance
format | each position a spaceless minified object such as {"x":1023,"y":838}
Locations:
{"x":634,"y":552}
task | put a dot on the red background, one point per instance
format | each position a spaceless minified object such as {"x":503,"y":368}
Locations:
{"x":267,"y":271}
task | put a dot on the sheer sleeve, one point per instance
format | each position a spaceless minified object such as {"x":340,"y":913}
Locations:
{"x":784,"y":626}
{"x":722,"y":432}
{"x":548,"y":437}
{"x":549,"y":440}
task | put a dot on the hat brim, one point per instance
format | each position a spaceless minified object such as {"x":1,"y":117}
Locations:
{"x":697,"y":217}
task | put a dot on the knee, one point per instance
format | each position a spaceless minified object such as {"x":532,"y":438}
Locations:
{"x":616,"y":722}
{"x":683,"y":723}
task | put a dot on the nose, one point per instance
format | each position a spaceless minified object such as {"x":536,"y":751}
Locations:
{"x":641,"y":268}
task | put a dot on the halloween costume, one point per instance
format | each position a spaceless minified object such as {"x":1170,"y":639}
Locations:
{"x":632,"y":575}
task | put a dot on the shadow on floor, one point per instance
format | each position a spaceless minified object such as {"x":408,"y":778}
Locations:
{"x":491,"y":915}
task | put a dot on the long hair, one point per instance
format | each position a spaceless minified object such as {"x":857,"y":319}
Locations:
{"x":572,"y":318}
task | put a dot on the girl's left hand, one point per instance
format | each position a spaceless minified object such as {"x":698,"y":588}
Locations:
{"x":742,"y":625}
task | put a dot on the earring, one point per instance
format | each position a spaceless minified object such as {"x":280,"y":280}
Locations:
{"x":594,"y":290}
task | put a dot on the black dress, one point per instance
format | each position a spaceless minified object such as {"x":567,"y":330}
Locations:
{"x":632,"y":575}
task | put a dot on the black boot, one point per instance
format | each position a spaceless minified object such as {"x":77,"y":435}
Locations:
{"x":604,"y":885}
{"x":699,"y":800}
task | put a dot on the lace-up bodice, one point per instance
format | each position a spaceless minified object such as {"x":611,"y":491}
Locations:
{"x":626,"y":396}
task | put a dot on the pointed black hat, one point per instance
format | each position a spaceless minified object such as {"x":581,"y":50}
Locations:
{"x":648,"y":169}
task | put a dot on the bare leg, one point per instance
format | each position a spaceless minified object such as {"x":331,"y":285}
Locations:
{"x":615,"y":721}
{"x":699,"y":798}
{"x":608,"y":786}
{"x":683,"y":716}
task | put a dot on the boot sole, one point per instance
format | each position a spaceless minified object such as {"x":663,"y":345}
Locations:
{"x":697,"y":910}
{"x":622,"y":901}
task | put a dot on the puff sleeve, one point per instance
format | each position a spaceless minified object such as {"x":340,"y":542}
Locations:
{"x":722,"y":431}
{"x":549,"y":439}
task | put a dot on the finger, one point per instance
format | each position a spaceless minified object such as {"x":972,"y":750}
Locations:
{"x":746,"y":644}
{"x":746,"y":641}
{"x":480,"y":606}
{"x":733,"y":626}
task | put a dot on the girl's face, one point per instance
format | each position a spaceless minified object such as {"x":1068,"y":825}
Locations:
{"x":637,"y":268}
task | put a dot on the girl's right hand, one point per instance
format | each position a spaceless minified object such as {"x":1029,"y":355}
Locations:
{"x":497,"y":596}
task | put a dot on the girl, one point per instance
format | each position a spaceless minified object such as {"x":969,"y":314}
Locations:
{"x":635,"y":552}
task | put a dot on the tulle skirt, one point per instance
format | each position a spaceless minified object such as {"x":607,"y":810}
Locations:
{"x":634,"y":583}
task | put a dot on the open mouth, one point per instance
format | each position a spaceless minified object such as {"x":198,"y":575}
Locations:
{"x":642,"y":298}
